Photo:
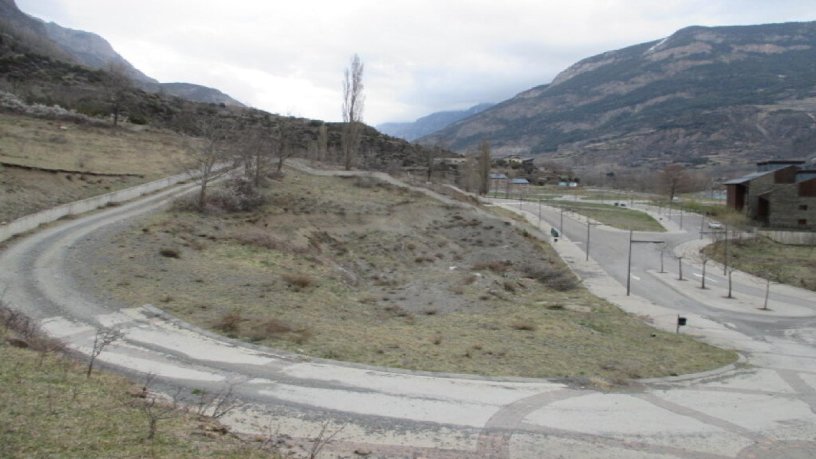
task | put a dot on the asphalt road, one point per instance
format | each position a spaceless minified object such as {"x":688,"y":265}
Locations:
{"x":763,"y":407}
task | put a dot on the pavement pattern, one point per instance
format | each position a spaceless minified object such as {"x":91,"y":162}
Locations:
{"x":764,"y":406}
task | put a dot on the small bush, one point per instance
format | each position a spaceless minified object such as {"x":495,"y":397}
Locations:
{"x":523,"y":326}
{"x":169,"y":253}
{"x":298,"y":280}
{"x":556,"y":279}
{"x":497,"y":266}
{"x":238,"y":195}
{"x":230,"y":322}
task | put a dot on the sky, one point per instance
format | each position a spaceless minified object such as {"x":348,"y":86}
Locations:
{"x":420,"y":56}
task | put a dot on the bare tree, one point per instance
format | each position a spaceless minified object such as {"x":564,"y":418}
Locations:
{"x":218,"y":404}
{"x":255,"y":149}
{"x":285,"y":148}
{"x":353,"y":101}
{"x":117,"y":84}
{"x":483,"y":167}
{"x":102,"y":339}
{"x":322,"y":142}
{"x":323,"y":438}
{"x":155,"y":408}
{"x":674,"y":179}
{"x":206,"y":155}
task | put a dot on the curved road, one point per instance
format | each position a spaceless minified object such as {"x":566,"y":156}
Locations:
{"x":764,"y":408}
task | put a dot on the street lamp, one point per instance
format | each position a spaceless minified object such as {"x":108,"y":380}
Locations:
{"x":680,"y":267}
{"x":589,"y":225}
{"x":629,"y":259}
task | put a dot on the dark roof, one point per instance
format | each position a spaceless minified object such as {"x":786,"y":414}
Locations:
{"x":781,"y":161}
{"x":747,"y":178}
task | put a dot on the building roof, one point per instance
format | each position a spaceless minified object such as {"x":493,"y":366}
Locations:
{"x":787,"y":162}
{"x":747,"y":178}
{"x":519,"y":181}
{"x":497,"y":176}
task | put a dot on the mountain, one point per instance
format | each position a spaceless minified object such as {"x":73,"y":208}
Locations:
{"x":92,"y":51}
{"x":715,"y":97}
{"x":430,"y":123}
{"x":39,"y":77}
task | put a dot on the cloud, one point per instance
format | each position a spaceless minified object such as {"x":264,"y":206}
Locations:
{"x":420,"y":56}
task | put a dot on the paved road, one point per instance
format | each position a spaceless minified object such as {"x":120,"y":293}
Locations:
{"x":764,"y":408}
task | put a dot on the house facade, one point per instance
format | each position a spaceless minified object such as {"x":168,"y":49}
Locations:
{"x":780,"y":194}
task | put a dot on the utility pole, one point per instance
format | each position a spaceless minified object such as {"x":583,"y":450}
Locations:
{"x":725,"y":249}
{"x":681,"y":218}
{"x":730,"y":271}
{"x":539,"y":212}
{"x":702,"y":224}
{"x":587,"y":242}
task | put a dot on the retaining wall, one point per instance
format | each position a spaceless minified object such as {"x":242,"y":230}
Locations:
{"x":32,"y":221}
{"x":791,"y":237}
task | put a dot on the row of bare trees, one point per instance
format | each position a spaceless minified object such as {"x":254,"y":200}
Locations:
{"x":257,"y":146}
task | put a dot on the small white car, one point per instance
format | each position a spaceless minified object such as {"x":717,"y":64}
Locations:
{"x":715,"y":225}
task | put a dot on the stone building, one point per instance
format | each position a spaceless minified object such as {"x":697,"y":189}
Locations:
{"x":780,"y":194}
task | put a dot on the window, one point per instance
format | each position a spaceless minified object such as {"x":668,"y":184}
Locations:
{"x":803,"y":207}
{"x":802,"y":222}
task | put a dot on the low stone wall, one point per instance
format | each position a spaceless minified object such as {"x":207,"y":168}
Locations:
{"x":32,"y":221}
{"x":791,"y":237}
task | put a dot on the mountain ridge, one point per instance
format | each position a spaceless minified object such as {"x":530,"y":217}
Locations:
{"x":93,"y":51}
{"x":429,"y":124}
{"x":705,"y":96}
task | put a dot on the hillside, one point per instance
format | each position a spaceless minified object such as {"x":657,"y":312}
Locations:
{"x":430,"y":123}
{"x":37,"y":71}
{"x":718,"y":97}
{"x":92,"y":51}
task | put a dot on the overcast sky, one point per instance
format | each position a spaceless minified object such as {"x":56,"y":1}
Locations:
{"x":420,"y":56}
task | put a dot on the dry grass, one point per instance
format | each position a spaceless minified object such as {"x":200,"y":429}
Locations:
{"x":374,"y":303}
{"x":44,"y":144}
{"x":64,"y":145}
{"x":48,"y":408}
{"x":790,"y":264}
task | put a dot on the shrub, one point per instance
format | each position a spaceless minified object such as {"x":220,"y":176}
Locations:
{"x":554,"y":278}
{"x":229,"y":322}
{"x":169,"y":253}
{"x":238,"y":195}
{"x":523,"y":326}
{"x":497,"y":266}
{"x":298,"y":280}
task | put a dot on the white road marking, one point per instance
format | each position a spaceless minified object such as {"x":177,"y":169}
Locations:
{"x":635,"y":277}
{"x":708,"y":279}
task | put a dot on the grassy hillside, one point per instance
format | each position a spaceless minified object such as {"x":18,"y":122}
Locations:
{"x":48,"y":408}
{"x":31,"y":149}
{"x":353,"y":269}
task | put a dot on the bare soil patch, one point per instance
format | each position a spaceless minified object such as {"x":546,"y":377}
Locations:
{"x":353,"y":269}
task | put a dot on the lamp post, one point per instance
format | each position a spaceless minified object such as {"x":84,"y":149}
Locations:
{"x":680,"y":267}
{"x":629,"y":260}
{"x":725,"y":254}
{"x":561,"y":226}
